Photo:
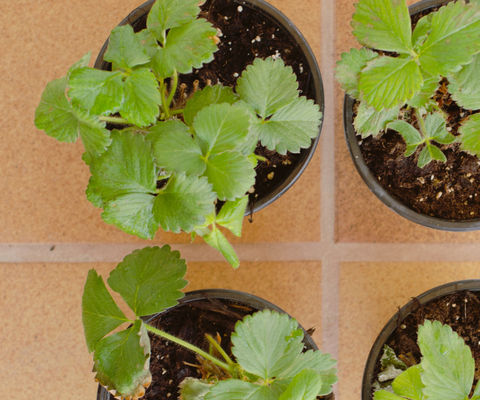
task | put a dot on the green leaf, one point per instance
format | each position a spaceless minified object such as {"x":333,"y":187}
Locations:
{"x":100,"y":92}
{"x":389,"y":358}
{"x":166,"y":14}
{"x":126,"y":167}
{"x":188,"y":46}
{"x":464,"y":85}
{"x":193,"y":389}
{"x":234,"y":389}
{"x":133,"y":214}
{"x":411,"y":136}
{"x":476,"y":393}
{"x":124,"y":49}
{"x":174,"y":148}
{"x":142,"y":98}
{"x":422,"y":29}
{"x":218,"y":241}
{"x":230,"y":173}
{"x":221,"y":127}
{"x":148,"y":42}
{"x":150,"y":279}
{"x":384,"y":395}
{"x":183,"y":203}
{"x":267,"y":343}
{"x":349,"y":67}
{"x":231,"y":215}
{"x":304,"y":386}
{"x":59,"y":120}
{"x":100,"y":314}
{"x":455,"y":31}
{"x":251,"y":141}
{"x":447,"y":362}
{"x":267,"y":85}
{"x":122,"y":361}
{"x":83,"y":62}
{"x":425,"y":157}
{"x":409,"y":384}
{"x":209,"y":95}
{"x":388,"y":82}
{"x":368,"y":121}
{"x":383,"y":25}
{"x":470,"y":135}
{"x":292,"y":127}
{"x":436,"y":128}
{"x":423,"y":97}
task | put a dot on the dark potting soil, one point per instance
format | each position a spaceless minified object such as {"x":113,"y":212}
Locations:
{"x":449,"y":190}
{"x":460,"y":310}
{"x":246,"y":34}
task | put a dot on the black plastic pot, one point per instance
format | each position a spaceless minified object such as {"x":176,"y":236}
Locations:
{"x":138,"y":16}
{"x":371,"y":180}
{"x":250,"y":300}
{"x":377,"y":348}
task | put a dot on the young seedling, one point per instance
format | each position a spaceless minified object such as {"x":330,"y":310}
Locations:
{"x":172,"y":162}
{"x":446,"y":371}
{"x":269,"y":362}
{"x":396,"y":92}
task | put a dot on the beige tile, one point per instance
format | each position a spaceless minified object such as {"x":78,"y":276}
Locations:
{"x":43,"y":181}
{"x":370,"y":294}
{"x":42,"y":346}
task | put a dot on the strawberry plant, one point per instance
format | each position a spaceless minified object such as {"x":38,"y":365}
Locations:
{"x":396,"y":90}
{"x":168,"y":165}
{"x":269,"y":362}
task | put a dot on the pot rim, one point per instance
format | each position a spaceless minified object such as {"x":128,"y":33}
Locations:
{"x":279,"y":18}
{"x":225,"y":294}
{"x":370,"y":180}
{"x":391,"y":325}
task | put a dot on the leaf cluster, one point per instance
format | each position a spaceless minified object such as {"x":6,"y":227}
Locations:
{"x":169,"y":166}
{"x":444,"y":44}
{"x":267,"y":345}
{"x":446,"y":371}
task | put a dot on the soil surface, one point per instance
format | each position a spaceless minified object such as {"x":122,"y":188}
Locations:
{"x":245,"y":34}
{"x":449,"y":190}
{"x":460,"y":310}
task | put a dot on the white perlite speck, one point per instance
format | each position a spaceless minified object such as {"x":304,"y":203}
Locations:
{"x":235,"y":74}
{"x":240,"y":8}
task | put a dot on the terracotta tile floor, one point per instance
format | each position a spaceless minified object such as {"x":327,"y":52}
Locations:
{"x":323,"y":252}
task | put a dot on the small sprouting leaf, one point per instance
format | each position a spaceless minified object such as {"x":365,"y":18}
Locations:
{"x":142,"y":98}
{"x":183,"y":203}
{"x":436,"y":129}
{"x":470,"y":135}
{"x":411,"y":136}
{"x":221,"y":127}
{"x":389,"y":358}
{"x":304,"y":386}
{"x":209,"y":95}
{"x":124,"y":49}
{"x":166,"y":14}
{"x":187,"y":46}
{"x":422,"y":29}
{"x":387,"y":82}
{"x":371,"y":122}
{"x":150,"y":279}
{"x":383,"y":25}
{"x":133,"y":214}
{"x":447,"y":362}
{"x":267,"y":85}
{"x":193,"y":389}
{"x":230,"y":173}
{"x":122,"y":362}
{"x":464,"y":85}
{"x":409,"y":383}
{"x":231,"y":215}
{"x":455,"y":31}
{"x":267,"y":343}
{"x":218,"y":241}
{"x":422,"y":98}
{"x":292,"y":127}
{"x":349,"y":67}
{"x":100,"y":314}
{"x":126,"y":167}
{"x":100,"y":92}
{"x":174,"y":148}
{"x":235,"y":389}
{"x":429,"y":153}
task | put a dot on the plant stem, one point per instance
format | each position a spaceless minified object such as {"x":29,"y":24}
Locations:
{"x":421,"y":124}
{"x":220,"y":350}
{"x":174,"y":88}
{"x":116,"y":120}
{"x":190,"y":347}
{"x":164,"y":101}
{"x":175,"y":112}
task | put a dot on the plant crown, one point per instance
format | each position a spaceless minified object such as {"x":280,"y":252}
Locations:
{"x":446,"y":371}
{"x":267,"y":345}
{"x":173,"y":161}
{"x":394,"y":92}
